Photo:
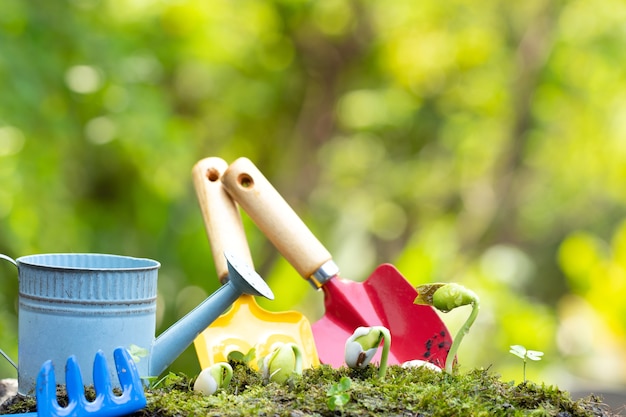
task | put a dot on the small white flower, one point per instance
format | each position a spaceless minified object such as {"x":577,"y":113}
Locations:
{"x":417,"y":363}
{"x":213,"y":378}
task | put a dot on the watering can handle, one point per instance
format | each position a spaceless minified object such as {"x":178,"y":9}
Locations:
{"x":221,"y":215}
{"x":280,"y":223}
{"x":7,"y":258}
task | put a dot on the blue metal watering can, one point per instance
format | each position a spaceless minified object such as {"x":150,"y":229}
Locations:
{"x":77,"y":304}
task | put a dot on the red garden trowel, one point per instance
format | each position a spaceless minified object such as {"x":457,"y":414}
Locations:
{"x":246,"y":325}
{"x":385,"y":298}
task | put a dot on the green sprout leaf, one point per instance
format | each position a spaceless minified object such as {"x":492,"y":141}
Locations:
{"x":342,"y":386}
{"x":250,"y":356}
{"x":344,"y":383}
{"x":523,"y":353}
{"x":137,"y":352}
{"x":519,"y":351}
{"x":337,"y":394}
{"x":336,"y":402}
{"x":534,"y":355}
{"x":155,"y":382}
{"x":235,"y":355}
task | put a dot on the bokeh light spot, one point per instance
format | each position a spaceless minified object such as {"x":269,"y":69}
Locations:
{"x":83,"y":79}
{"x":11,"y":140}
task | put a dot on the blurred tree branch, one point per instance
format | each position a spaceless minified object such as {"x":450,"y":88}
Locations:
{"x":510,"y":175}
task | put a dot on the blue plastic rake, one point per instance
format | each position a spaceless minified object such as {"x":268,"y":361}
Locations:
{"x":106,"y":403}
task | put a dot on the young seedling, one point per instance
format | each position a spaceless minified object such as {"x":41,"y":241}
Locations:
{"x":363,"y":344}
{"x":445,"y":297}
{"x":523,"y":353}
{"x":240,"y":357}
{"x":338,"y":395}
{"x":213,"y":378}
{"x":137,"y":352}
{"x":282,"y":363}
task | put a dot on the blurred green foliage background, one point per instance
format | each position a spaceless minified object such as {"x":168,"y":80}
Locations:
{"x":477,"y":142}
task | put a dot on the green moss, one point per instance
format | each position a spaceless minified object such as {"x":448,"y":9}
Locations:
{"x":413,"y":391}
{"x":18,"y":405}
{"x":404,"y":392}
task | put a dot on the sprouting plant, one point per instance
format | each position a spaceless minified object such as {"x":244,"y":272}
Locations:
{"x":213,"y":378}
{"x":363,"y":344}
{"x":240,"y":357}
{"x":282,"y":363}
{"x":523,"y":353}
{"x":445,"y":297}
{"x":154,"y":381}
{"x":337,"y":395}
{"x":137,"y":352}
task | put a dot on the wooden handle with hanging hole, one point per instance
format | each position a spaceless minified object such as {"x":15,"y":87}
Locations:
{"x":221,"y":215}
{"x":273,"y":215}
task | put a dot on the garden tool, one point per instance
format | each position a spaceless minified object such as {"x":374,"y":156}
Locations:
{"x":106,"y":403}
{"x":384,"y":299}
{"x":246,"y":325}
{"x":77,"y":304}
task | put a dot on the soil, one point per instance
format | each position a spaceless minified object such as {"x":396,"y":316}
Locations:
{"x":407,"y":392}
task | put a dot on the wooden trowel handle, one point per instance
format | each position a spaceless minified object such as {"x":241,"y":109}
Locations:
{"x":280,"y":223}
{"x":221,"y":215}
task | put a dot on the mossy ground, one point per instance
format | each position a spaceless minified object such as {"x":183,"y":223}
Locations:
{"x":404,"y":392}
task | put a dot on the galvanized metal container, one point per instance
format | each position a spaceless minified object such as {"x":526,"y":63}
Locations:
{"x":77,"y":304}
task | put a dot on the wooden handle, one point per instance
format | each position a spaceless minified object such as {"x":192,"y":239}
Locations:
{"x":273,"y":215}
{"x":221,"y":215}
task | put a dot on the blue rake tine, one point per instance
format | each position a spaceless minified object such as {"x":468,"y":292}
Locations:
{"x":74,"y":383}
{"x":132,"y":398}
{"x":132,"y":387}
{"x":101,"y":383}
{"x":106,"y":404}
{"x":47,"y":404}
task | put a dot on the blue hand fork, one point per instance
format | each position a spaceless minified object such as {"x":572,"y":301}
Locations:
{"x":106,"y":403}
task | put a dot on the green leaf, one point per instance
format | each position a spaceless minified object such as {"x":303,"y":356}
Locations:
{"x":344,"y":383}
{"x":235,"y":355}
{"x":249,"y":356}
{"x":137,"y":352}
{"x":342,"y":386}
{"x":333,"y":390}
{"x":338,"y":401}
{"x":240,"y":357}
{"x":519,"y":351}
